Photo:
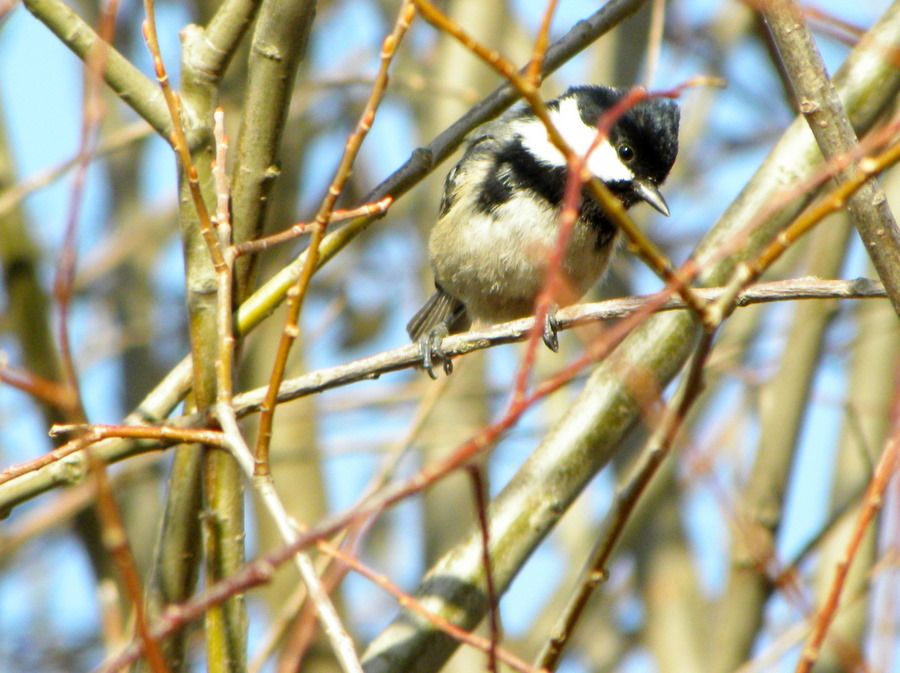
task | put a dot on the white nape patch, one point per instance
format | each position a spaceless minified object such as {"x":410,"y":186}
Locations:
{"x":604,"y":162}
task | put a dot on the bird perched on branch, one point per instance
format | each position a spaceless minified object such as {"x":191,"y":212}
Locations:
{"x":500,"y":211}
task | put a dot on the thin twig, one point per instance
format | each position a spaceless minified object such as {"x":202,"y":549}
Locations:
{"x":874,"y":498}
{"x":12,"y":196}
{"x":410,"y":602}
{"x":115,"y":540}
{"x":95,"y":64}
{"x":297,"y":293}
{"x":162,"y":435}
{"x":375,"y":209}
{"x":553,"y":281}
{"x":572,"y":316}
{"x":535,"y":65}
{"x":43,"y":389}
{"x":179,"y":139}
{"x":264,"y":486}
{"x":493,"y":600}
{"x":653,"y":455}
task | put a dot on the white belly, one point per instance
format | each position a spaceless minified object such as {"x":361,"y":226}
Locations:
{"x":496,"y":263}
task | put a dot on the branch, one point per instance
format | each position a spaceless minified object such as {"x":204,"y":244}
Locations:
{"x":19,"y":484}
{"x":277,"y":48}
{"x":210,"y":54}
{"x":405,"y":357}
{"x":297,"y":295}
{"x":873,"y":502}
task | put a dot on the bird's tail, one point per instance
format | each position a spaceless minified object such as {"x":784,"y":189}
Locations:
{"x":440,"y":309}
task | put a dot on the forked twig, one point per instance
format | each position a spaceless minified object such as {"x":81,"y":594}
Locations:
{"x":375,"y":209}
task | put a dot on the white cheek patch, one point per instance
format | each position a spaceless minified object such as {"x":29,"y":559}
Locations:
{"x":535,"y":140}
{"x":604,"y":162}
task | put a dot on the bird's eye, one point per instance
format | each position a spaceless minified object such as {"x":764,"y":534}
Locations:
{"x":626,"y":153}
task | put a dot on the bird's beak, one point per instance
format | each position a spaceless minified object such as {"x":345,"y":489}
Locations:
{"x":650,"y":193}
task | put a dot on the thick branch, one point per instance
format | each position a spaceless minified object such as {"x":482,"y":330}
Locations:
{"x":820,"y":104}
{"x":220,"y":39}
{"x":277,"y":48}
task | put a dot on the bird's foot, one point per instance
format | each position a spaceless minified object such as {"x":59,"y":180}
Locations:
{"x":551,"y":328}
{"x":431,"y":351}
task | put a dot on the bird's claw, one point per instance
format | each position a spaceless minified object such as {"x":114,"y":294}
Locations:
{"x":551,"y":328}
{"x":430,"y":350}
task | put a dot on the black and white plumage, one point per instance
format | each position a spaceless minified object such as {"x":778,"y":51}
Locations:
{"x":499,"y":216}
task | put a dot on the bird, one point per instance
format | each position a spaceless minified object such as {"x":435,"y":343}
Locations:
{"x":499,"y":215}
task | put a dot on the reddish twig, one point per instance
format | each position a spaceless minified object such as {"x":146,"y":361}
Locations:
{"x":65,"y":274}
{"x":493,"y":600}
{"x":261,"y":244}
{"x":115,"y":540}
{"x":297,"y":293}
{"x":95,"y":433}
{"x":576,"y":176}
{"x":49,"y":392}
{"x":410,"y":602}
{"x":886,"y":469}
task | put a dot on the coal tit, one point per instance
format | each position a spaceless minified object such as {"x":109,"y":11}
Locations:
{"x":499,"y":215}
